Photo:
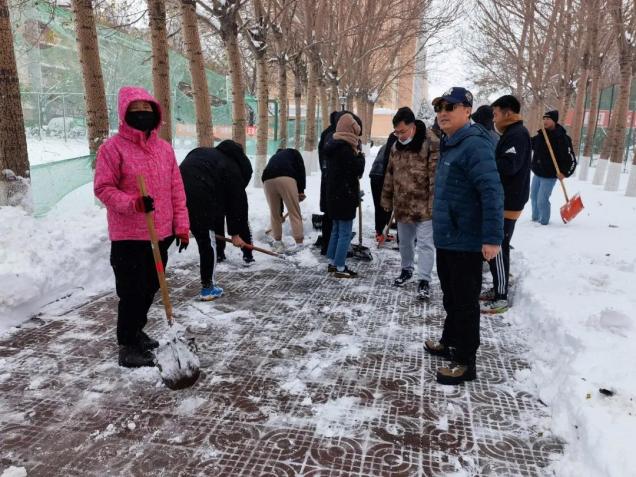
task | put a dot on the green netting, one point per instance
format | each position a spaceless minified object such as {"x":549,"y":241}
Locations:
{"x":53,"y":99}
{"x":48,"y":189}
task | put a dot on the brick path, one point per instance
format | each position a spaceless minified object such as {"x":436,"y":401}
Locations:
{"x":301,"y":375}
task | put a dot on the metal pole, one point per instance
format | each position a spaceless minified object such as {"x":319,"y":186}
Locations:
{"x":276,"y":118}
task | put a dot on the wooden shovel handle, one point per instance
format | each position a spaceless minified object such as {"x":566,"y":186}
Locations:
{"x":268,"y":231}
{"x":556,"y":166}
{"x":154,"y":240}
{"x":250,"y":247}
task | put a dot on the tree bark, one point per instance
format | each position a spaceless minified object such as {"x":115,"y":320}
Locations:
{"x":334,"y":99}
{"x":283,"y":103}
{"x":310,"y":116}
{"x":13,"y":145}
{"x":595,"y":87}
{"x":601,"y":164}
{"x":161,"y":64}
{"x":94,"y":94}
{"x":262,"y":126}
{"x":200,"y":92}
{"x":617,"y":147}
{"x":361,"y":111}
{"x":324,"y":106}
{"x":230,"y":38}
{"x":370,"y":107}
{"x":579,"y":110}
{"x":298,"y":92}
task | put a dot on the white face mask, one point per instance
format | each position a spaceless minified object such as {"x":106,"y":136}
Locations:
{"x":406,"y":141}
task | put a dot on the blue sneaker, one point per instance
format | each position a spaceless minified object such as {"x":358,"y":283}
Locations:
{"x":211,"y":293}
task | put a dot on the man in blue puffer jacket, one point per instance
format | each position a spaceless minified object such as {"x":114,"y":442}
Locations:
{"x":467,"y":227}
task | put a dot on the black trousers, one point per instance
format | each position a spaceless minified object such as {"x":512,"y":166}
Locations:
{"x":136,"y":283}
{"x":382,"y":217}
{"x":500,"y":265}
{"x":245,"y":233}
{"x":460,"y":278}
{"x":327,"y":224}
{"x":207,"y":255}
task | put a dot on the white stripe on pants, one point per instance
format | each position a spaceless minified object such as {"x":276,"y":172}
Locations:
{"x":423,"y":232}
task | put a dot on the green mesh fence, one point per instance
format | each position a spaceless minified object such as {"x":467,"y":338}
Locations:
{"x":53,"y":101}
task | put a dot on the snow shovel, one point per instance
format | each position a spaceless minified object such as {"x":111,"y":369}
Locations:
{"x":385,"y":232}
{"x":177,"y":363}
{"x":572,"y":206}
{"x":359,"y":251}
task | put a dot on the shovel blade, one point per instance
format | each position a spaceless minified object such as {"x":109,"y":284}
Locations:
{"x":177,"y":363}
{"x":571,"y":208}
{"x":361,"y":253}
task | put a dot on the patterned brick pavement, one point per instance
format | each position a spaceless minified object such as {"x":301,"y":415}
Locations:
{"x":302,"y":374}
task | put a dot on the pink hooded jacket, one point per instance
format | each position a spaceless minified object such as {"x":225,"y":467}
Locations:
{"x":121,"y":159}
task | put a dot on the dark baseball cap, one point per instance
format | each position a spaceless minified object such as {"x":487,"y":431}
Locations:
{"x":455,"y":95}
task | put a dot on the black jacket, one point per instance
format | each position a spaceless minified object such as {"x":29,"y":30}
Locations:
{"x":286,"y":163}
{"x":214,"y":183}
{"x":512,"y":155}
{"x":342,"y":185}
{"x":325,"y":137}
{"x":382,"y":159}
{"x":561,"y":143}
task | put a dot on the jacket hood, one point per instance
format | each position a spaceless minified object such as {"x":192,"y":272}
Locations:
{"x":234,"y":151}
{"x":418,"y":139}
{"x":128,"y":94}
{"x":333,"y":118}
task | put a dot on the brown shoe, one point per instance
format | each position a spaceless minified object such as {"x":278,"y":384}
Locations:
{"x":456,"y":374}
{"x":437,"y":349}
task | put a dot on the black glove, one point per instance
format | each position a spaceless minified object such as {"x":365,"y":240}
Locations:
{"x":144,"y":203}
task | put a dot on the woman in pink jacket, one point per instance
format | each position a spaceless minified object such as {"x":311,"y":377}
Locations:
{"x":137,"y":150}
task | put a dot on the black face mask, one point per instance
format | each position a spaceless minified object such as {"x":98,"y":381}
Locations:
{"x":141,"y":120}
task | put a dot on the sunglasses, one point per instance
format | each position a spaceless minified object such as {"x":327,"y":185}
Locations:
{"x":448,"y":107}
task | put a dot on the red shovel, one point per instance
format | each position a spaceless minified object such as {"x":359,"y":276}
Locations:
{"x":572,"y":206}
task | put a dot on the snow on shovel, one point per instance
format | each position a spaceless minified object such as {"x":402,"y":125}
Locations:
{"x":177,"y":363}
{"x":572,"y":206}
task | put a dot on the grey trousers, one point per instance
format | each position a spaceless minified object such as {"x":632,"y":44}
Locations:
{"x":423,"y":232}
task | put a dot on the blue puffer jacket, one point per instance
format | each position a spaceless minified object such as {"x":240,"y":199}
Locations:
{"x":468,"y":204}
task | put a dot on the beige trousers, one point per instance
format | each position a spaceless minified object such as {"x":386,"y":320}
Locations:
{"x":285,"y":189}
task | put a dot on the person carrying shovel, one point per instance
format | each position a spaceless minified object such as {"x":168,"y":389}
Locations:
{"x":214,"y":180}
{"x":136,"y":150}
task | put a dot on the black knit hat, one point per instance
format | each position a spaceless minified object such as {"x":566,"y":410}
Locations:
{"x":483,"y":116}
{"x":553,"y":115}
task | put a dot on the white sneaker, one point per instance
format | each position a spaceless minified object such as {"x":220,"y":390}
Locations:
{"x":278,"y":246}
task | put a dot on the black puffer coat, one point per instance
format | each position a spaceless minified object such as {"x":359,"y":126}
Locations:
{"x":342,"y":189}
{"x":214,"y":183}
{"x":561,"y":143}
{"x":286,"y":163}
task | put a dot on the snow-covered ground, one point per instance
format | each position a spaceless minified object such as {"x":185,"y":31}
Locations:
{"x":574,"y":302}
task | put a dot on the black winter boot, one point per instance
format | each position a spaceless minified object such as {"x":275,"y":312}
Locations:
{"x":404,"y":277}
{"x":135,"y":357}
{"x":146,"y":342}
{"x":457,"y":373}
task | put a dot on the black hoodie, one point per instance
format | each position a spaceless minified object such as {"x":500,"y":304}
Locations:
{"x":214,"y":179}
{"x":561,"y":143}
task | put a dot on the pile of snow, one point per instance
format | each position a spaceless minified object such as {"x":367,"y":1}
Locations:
{"x":14,"y":472}
{"x":576,"y":303}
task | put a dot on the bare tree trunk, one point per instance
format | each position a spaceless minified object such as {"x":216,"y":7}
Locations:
{"x":13,"y":145}
{"x":310,"y":116}
{"x":230,"y":37}
{"x":601,"y":164}
{"x":262,"y":128}
{"x":160,"y":64}
{"x":333,"y":90}
{"x":617,"y":150}
{"x":370,"y":107}
{"x":349,"y":103}
{"x":283,"y":103}
{"x":298,"y":92}
{"x":94,"y":94}
{"x":579,"y":110}
{"x":324,"y":106}
{"x":630,"y":191}
{"x":592,"y":119}
{"x":202,"y":105}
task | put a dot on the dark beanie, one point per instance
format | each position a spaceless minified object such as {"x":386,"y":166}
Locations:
{"x":553,"y":115}
{"x":483,"y":116}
